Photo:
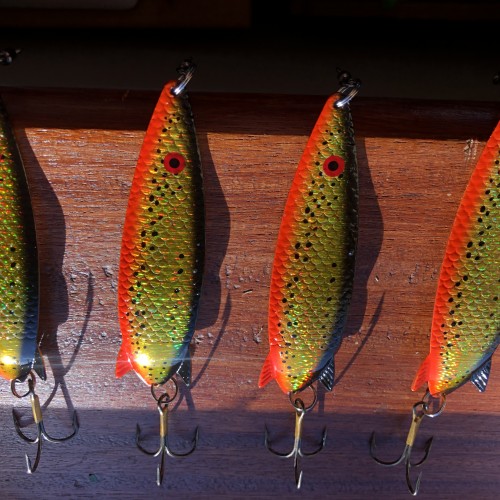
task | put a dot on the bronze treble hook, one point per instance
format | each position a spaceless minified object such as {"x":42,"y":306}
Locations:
{"x":162,"y":404}
{"x":297,"y":452}
{"x":38,"y":418}
{"x":420,"y":410}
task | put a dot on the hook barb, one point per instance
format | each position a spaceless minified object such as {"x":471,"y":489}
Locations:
{"x":164,"y":448}
{"x":297,"y":452}
{"x":41,"y":434}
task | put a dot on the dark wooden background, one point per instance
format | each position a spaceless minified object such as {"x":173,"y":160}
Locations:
{"x":415,"y":158}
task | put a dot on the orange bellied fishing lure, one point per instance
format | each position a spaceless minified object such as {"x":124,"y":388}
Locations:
{"x":161,"y":261}
{"x":20,"y":358}
{"x":466,"y":321}
{"x":313,"y":269}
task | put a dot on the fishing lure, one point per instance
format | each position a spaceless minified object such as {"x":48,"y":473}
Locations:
{"x":313,"y":269}
{"x":19,"y":300}
{"x":465,"y":327}
{"x":20,"y":357}
{"x":161,"y":261}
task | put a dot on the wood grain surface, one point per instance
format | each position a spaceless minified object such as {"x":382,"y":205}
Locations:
{"x":415,"y":158}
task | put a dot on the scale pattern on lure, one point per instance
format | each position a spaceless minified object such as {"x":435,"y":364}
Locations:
{"x":313,"y":269}
{"x":161,"y":262}
{"x":18,"y":264}
{"x":466,"y":320}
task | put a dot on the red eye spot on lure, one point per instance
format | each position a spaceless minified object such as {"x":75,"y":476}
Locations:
{"x":333,"y":166}
{"x":174,"y":163}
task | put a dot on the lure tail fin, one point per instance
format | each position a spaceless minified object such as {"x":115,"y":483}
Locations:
{"x":422,"y":375}
{"x":267,"y":374}
{"x":481,"y":375}
{"x":123,"y":364}
{"x":327,"y":376}
{"x":184,"y":370}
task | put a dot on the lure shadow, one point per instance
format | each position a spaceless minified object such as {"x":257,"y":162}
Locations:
{"x":184,"y":391}
{"x":371,"y":233}
{"x":217,"y":229}
{"x":370,"y":236}
{"x":225,"y":319}
{"x":54,"y":298}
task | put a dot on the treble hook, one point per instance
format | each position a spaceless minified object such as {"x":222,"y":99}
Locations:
{"x":296,"y":453}
{"x":164,"y":449}
{"x":38,"y":418}
{"x":419,"y":411}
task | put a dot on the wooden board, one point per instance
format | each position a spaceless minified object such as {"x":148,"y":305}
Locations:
{"x":415,"y":158}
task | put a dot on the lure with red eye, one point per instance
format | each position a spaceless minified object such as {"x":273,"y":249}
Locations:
{"x":313,"y":270}
{"x":466,"y":321}
{"x":161,"y":261}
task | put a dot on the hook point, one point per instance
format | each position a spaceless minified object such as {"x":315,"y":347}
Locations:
{"x":298,"y":480}
{"x":29,"y":469}
{"x":413,"y":489}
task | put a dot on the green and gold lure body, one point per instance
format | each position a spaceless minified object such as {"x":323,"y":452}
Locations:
{"x":313,"y":270}
{"x":161,"y":262}
{"x":19,"y":297}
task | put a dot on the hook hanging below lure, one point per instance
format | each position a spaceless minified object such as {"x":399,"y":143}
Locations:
{"x":297,"y":452}
{"x":420,"y":410}
{"x":38,"y":418}
{"x":162,"y":403}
